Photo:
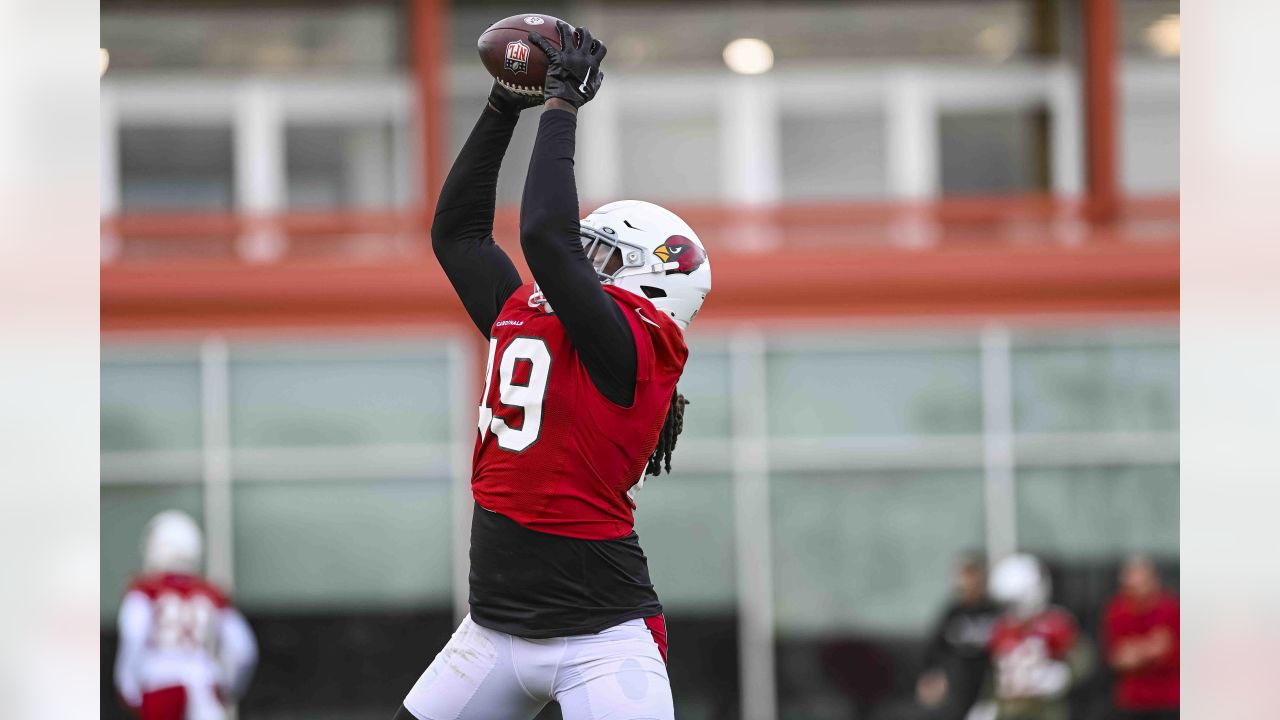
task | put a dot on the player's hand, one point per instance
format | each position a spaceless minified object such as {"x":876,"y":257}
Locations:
{"x":931,"y":689}
{"x":509,"y":102}
{"x":573,"y":69}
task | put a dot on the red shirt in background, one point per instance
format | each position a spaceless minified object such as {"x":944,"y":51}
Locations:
{"x":1153,"y":686}
{"x":1022,"y":648}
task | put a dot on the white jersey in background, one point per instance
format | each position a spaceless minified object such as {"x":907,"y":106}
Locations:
{"x":184,"y":649}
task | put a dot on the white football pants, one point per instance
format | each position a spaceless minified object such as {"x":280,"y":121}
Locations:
{"x":482,"y":674}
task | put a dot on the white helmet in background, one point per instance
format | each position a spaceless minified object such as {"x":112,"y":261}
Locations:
{"x":1020,"y":583}
{"x":650,"y":251}
{"x":172,"y":543}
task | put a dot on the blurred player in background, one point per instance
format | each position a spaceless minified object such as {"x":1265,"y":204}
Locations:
{"x":1141,"y":642}
{"x":184,"y":650}
{"x":1036,"y":651}
{"x":579,"y":404}
{"x":957,"y":659}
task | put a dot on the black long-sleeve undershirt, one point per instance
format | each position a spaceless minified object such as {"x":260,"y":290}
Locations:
{"x":549,"y":235}
{"x":483,"y":275}
{"x":462,"y":232}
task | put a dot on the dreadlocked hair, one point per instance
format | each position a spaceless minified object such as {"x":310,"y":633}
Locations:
{"x":661,"y":457}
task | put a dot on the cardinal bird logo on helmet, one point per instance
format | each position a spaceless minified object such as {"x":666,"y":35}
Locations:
{"x":680,"y":249}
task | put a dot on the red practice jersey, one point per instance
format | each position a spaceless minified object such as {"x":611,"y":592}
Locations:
{"x":553,"y":453}
{"x":1019,"y":648}
{"x":185,"y":611}
{"x":183,"y":648}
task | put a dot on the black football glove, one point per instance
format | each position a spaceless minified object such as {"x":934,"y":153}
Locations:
{"x":573,"y":69}
{"x":509,"y":102}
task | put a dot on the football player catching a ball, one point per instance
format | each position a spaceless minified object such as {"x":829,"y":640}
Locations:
{"x":579,"y":403}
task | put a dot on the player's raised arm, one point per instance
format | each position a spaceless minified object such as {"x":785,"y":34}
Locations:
{"x":462,"y":232}
{"x":549,"y":231}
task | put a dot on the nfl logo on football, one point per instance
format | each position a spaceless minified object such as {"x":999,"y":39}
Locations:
{"x":517,"y":57}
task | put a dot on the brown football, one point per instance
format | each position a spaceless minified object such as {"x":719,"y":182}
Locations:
{"x":509,"y":56}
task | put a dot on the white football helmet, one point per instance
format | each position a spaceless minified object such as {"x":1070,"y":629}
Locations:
{"x":172,"y":543}
{"x":650,"y":251}
{"x":1020,"y":582}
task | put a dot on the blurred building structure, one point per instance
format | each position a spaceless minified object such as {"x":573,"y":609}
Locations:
{"x":929,"y":331}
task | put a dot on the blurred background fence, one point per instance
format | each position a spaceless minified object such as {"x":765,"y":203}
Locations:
{"x":945,"y":319}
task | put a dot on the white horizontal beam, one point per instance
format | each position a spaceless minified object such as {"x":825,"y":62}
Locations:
{"x":297,"y":464}
{"x":201,"y":101}
{"x":838,"y":454}
{"x":696,"y":456}
{"x":1097,"y":449}
{"x":155,"y":467}
{"x":340,"y":463}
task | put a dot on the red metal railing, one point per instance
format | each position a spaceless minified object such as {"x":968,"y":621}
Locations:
{"x":956,"y":256}
{"x":401,"y":236}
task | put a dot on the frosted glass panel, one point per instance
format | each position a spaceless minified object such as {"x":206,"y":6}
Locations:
{"x":686,"y":529}
{"x":820,"y":392}
{"x":339,"y":398}
{"x":705,"y":384}
{"x":1095,"y":388}
{"x":871,"y":551}
{"x":1098,"y":513}
{"x":358,"y":544}
{"x":150,"y":406}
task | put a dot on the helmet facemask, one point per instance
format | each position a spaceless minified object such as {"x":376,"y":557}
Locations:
{"x":611,"y":257}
